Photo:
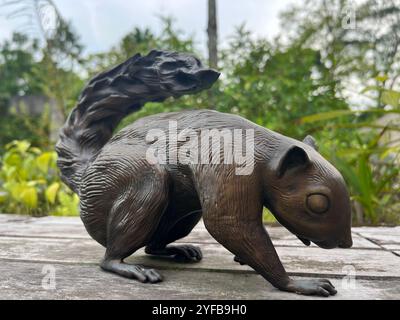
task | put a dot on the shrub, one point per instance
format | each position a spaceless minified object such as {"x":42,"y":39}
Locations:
{"x":30,"y":184}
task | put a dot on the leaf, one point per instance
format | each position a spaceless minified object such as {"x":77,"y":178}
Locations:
{"x":10,"y":173}
{"x":349,"y":173}
{"x":15,"y":189}
{"x":388,"y":151}
{"x":35,"y":150}
{"x":35,"y":183}
{"x":23,"y":174}
{"x":367,"y":196}
{"x":29,"y":197}
{"x":375,"y":140}
{"x":12,"y":159}
{"x":391,"y":98}
{"x":43,"y":161}
{"x":51,"y":192}
{"x":382,"y":78}
{"x":3,"y":196}
{"x":22,"y":146}
{"x":69,"y":204}
{"x":340,"y":113}
{"x":326,"y":115}
{"x":371,"y":88}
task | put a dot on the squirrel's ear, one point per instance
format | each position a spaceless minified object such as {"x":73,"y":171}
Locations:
{"x":294,"y":158}
{"x":311,"y":142}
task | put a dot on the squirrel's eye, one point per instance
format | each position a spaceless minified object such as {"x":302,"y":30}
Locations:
{"x":317,"y":203}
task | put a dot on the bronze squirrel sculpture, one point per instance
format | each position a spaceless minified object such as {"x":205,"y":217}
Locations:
{"x":128,"y":203}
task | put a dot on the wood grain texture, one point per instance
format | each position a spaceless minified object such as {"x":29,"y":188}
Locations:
{"x":89,"y":282}
{"x":217,"y":277}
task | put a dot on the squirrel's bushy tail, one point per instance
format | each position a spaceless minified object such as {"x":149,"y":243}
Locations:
{"x":112,"y":95}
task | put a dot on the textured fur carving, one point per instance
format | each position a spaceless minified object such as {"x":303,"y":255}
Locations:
{"x":112,"y":95}
{"x":128,"y":203}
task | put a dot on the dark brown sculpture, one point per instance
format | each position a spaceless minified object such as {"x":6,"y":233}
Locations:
{"x":128,"y":203}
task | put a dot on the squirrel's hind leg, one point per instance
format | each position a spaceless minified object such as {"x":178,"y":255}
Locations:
{"x":167,"y":233}
{"x":132,"y":221}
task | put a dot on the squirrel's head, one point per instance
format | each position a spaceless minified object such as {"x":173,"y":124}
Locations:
{"x":309,"y":197}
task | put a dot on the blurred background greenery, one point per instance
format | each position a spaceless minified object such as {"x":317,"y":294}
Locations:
{"x":332,"y":72}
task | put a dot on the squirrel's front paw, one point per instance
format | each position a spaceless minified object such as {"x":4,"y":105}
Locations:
{"x":131,"y":271}
{"x":238,"y":260}
{"x":311,"y":287}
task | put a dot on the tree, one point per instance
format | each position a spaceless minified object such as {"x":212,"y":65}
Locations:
{"x":20,"y":76}
{"x":212,"y":32}
{"x":275,"y":86}
{"x":61,"y":50}
{"x":353,"y":51}
{"x":141,"y":40}
{"x":18,"y":72}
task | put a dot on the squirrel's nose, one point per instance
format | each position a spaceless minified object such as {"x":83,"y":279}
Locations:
{"x":346,"y":244}
{"x":346,"y":241}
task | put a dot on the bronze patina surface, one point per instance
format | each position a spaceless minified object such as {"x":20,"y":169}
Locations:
{"x":128,"y":203}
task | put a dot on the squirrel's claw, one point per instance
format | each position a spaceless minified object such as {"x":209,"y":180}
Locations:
{"x":131,"y":271}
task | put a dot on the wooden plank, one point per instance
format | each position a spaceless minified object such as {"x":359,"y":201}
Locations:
{"x":381,"y":235}
{"x":72,"y":228}
{"x":29,"y":228}
{"x":391,"y":247}
{"x":358,"y":243}
{"x":297,"y":260}
{"x":395,"y":231}
{"x":50,"y":249}
{"x":279,"y":235}
{"x":23,"y":280}
{"x":27,"y":244}
{"x":6,"y":218}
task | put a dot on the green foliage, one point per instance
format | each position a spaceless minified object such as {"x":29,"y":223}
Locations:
{"x":61,"y":55}
{"x":17,"y":127}
{"x":17,"y":68}
{"x":365,"y":48}
{"x":57,"y":49}
{"x":371,"y":171}
{"x":29,"y":183}
{"x":141,"y":41}
{"x":297,"y":84}
{"x":274,"y":86}
{"x":19,"y":74}
{"x":27,"y":69}
{"x":369,"y":159}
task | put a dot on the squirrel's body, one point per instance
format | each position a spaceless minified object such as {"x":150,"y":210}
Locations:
{"x":129,"y":202}
{"x":126,"y":151}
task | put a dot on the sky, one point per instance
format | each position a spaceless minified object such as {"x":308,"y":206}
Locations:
{"x":102,"y":23}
